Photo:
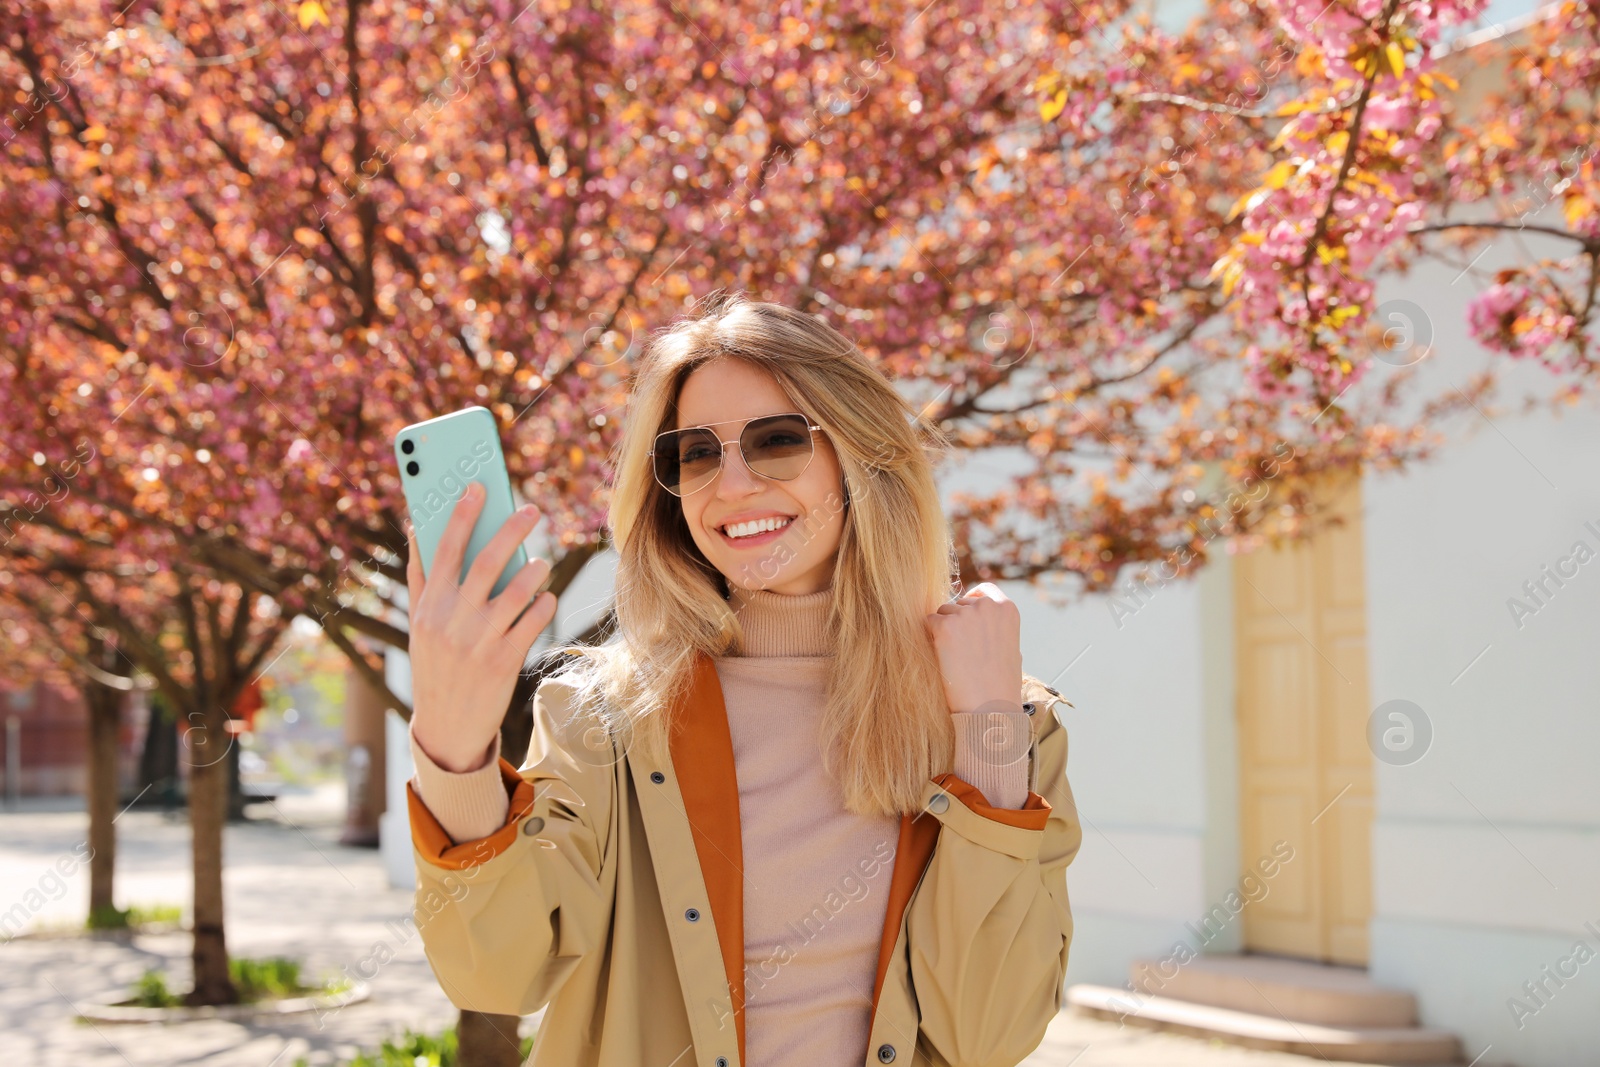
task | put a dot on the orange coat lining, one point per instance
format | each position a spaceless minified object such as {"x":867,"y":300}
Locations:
{"x":431,"y":840}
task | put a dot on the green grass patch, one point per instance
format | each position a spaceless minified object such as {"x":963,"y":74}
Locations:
{"x":136,"y":917}
{"x":272,"y":978}
{"x":415,"y":1050}
{"x":268,"y":979}
{"x":151,"y":991}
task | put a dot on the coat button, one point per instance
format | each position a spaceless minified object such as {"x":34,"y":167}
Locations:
{"x":533,"y":826}
{"x":657,"y":777}
{"x":722,"y":1061}
{"x":885,"y":1053}
{"x":939,"y":802}
{"x":1029,"y":708}
{"x":693,"y":915}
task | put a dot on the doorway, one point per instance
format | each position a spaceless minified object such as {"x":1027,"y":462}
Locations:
{"x":1305,"y":771}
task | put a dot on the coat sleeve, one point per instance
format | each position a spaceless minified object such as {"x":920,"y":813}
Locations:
{"x":505,"y":919}
{"x":989,"y":926}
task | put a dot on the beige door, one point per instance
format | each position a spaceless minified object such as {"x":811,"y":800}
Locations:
{"x":1304,"y":766}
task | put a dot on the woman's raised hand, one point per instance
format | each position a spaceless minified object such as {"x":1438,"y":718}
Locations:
{"x":466,"y":648}
{"x":978,"y":640}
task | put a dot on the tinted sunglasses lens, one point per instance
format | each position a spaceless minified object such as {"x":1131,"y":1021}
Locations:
{"x":775,"y":446}
{"x":687,"y":459}
{"x":778,"y":446}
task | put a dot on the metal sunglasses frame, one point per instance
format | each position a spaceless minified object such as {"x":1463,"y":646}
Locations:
{"x":738,"y":443}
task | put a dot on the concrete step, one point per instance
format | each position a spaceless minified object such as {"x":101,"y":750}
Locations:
{"x":1370,"y":1045}
{"x":1280,"y":988}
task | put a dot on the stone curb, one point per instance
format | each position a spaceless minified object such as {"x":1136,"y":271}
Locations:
{"x":78,"y":933}
{"x":123,"y":1013}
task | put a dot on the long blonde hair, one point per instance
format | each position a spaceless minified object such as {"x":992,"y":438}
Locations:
{"x":885,"y":728}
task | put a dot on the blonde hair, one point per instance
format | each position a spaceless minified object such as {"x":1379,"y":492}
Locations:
{"x":886,"y":727}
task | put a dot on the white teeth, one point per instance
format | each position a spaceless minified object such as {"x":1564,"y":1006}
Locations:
{"x":749,"y":529}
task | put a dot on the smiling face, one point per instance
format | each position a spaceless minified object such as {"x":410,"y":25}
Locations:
{"x":797,"y":559}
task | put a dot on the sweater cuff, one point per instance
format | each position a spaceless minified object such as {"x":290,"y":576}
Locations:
{"x":992,"y":745}
{"x":468,"y":805}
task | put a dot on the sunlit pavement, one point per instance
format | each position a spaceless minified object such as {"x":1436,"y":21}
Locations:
{"x":1076,"y":1041}
{"x":292,"y":890}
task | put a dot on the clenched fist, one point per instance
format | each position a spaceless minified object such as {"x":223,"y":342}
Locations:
{"x":978,"y":639}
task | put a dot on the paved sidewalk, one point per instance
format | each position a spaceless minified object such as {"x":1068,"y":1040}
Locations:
{"x":292,"y":890}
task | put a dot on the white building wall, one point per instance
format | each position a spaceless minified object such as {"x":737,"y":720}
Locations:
{"x":1487,"y":850}
{"x":394,"y":825}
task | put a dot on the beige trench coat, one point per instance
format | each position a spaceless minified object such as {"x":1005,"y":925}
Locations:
{"x":613,"y":894}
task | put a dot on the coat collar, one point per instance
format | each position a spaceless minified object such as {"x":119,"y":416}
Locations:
{"x":702,"y":759}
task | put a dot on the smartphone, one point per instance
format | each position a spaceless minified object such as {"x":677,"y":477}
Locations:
{"x":438,"y":459}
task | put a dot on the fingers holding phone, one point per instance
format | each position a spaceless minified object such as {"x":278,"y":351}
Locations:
{"x":450,"y":554}
{"x":520,"y":601}
{"x":487,"y":568}
{"x":502,"y":610}
{"x":473,"y":610}
{"x":466,"y":652}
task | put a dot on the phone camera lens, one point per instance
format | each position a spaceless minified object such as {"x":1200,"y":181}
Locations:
{"x":412,"y":468}
{"x":408,"y":446}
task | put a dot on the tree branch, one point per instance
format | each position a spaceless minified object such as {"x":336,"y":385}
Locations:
{"x":1590,"y":245}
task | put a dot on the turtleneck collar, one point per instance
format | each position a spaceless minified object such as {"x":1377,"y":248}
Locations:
{"x":776,"y":624}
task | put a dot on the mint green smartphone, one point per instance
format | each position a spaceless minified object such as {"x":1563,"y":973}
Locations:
{"x":438,"y":459}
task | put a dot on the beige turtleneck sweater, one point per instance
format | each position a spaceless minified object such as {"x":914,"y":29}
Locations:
{"x":816,"y":876}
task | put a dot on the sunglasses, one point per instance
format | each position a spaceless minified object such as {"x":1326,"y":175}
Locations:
{"x":774,"y":446}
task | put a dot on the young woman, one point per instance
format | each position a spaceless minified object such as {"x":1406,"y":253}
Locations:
{"x":803,"y":809}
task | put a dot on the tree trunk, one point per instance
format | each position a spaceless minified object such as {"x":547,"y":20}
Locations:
{"x":516,"y":725}
{"x":105,"y":721}
{"x":207,"y":753}
{"x":487,"y":1040}
{"x":235,"y":794}
{"x":158,"y":762}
